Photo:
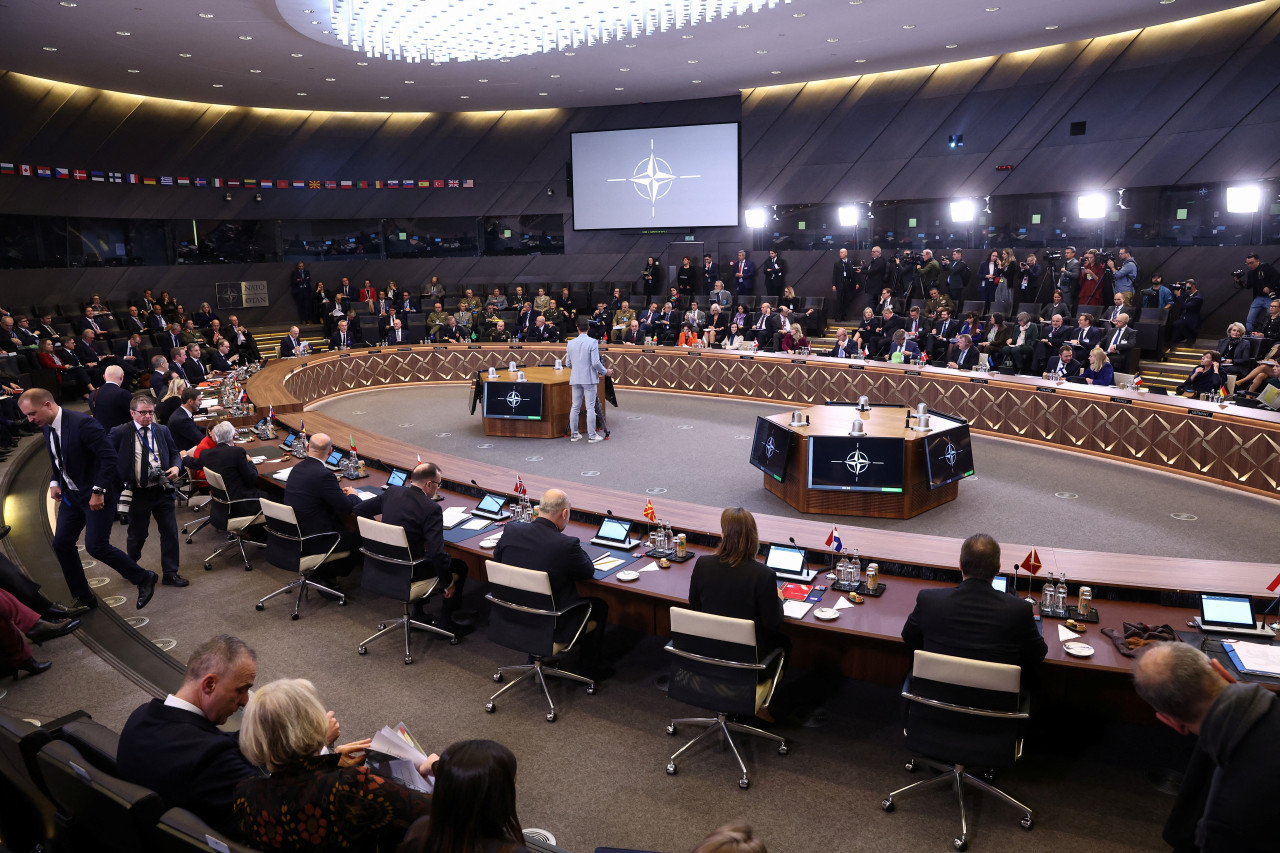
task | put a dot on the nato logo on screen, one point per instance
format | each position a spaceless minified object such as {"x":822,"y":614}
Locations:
{"x":661,"y":177}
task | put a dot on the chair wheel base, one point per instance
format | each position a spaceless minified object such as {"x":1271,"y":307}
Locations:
{"x":551,"y":716}
{"x":782,"y":749}
{"x":490,"y":707}
{"x":294,"y":617}
{"x":744,"y":783}
{"x":259,"y":606}
{"x":382,"y":626}
{"x":248,"y":567}
{"x":363,"y":650}
{"x":887,"y":804}
{"x":453,"y":641}
{"x":408,"y":659}
{"x":497,"y":678}
{"x":189,"y":540}
{"x":671,"y":729}
{"x":960,"y":844}
{"x":208,"y":567}
{"x":671,"y":768}
{"x":1027,"y":823}
{"x":591,"y":690}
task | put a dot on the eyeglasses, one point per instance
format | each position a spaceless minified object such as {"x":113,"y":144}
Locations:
{"x":146,"y":412}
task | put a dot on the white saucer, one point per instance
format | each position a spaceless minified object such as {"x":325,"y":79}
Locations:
{"x":1078,"y":650}
{"x":628,"y":575}
{"x":491,"y":542}
{"x":826,"y":614}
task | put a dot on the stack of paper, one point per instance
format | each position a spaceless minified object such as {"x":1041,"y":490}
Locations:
{"x":477,"y":524}
{"x":606,"y":562}
{"x":1258,"y":659}
{"x":281,"y":475}
{"x":795,"y":609}
{"x":455,"y":514}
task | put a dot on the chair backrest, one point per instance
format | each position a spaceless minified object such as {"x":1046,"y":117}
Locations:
{"x":97,"y":743}
{"x":284,"y":538}
{"x":388,"y":562}
{"x":220,"y":509}
{"x":714,"y":664}
{"x":27,"y":818}
{"x":523,"y":617}
{"x":1121,"y":379}
{"x":964,"y":711}
{"x":1092,"y":310}
{"x":99,"y":811}
{"x":181,"y":831}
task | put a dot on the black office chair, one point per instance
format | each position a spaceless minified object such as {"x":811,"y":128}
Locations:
{"x":286,"y":548}
{"x":181,"y":831}
{"x":28,"y":819}
{"x":97,"y":743}
{"x":96,"y":810}
{"x":525,"y":618}
{"x":388,"y":571}
{"x":232,"y":517}
{"x":717,"y":668}
{"x":963,"y":713}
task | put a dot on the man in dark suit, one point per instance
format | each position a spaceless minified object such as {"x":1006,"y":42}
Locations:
{"x":900,"y":344}
{"x":1119,"y":341}
{"x":1051,"y":341}
{"x":83,"y":485}
{"x":131,"y":358}
{"x":88,"y":356}
{"x":321,"y":506}
{"x":633,"y":335}
{"x":178,"y":363}
{"x":170,"y":338}
{"x":744,"y":272}
{"x":160,"y":377}
{"x":44,"y":328}
{"x":1064,"y":363}
{"x":844,"y":347}
{"x":221,"y":360}
{"x":174,"y":746}
{"x":1087,"y":337}
{"x":396,"y":334}
{"x":347,"y":290}
{"x":193,"y":366}
{"x":843,"y":285}
{"x":413,"y":507}
{"x":110,"y":402}
{"x":186,"y":434}
{"x":944,"y":329}
{"x":975,"y":620}
{"x":528,"y":317}
{"x":710,"y":272}
{"x":232,"y":463}
{"x":765,"y":326}
{"x":300,"y":287}
{"x":156,"y":321}
{"x":292,"y":344}
{"x":406,"y":303}
{"x":958,"y":276}
{"x":1020,"y":343}
{"x":132,"y":322}
{"x":242,"y":342}
{"x":889,"y":323}
{"x":966,"y":355}
{"x":88,"y":323}
{"x":541,"y":545}
{"x":341,"y":339}
{"x":146,"y":457}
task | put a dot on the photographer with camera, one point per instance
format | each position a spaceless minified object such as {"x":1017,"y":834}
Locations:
{"x":1069,"y":276}
{"x":1187,"y":326}
{"x":147,"y":463}
{"x":930,"y":271}
{"x":1126,"y":275}
{"x":1263,"y":280}
{"x":1157,"y":295}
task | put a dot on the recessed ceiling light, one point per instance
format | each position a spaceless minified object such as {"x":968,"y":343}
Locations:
{"x":617,"y":88}
{"x":695,"y":81}
{"x":51,"y":49}
{"x":1051,"y":27}
{"x":855,"y":2}
{"x":326,"y":32}
{"x":185,"y":55}
{"x":686,"y":37}
{"x":744,"y":26}
{"x":255,"y":70}
{"x":245,"y":38}
{"x":628,"y":45}
{"x":624,"y":69}
{"x":362,"y":63}
{"x":543,"y":94}
{"x":908,"y":26}
{"x":302,"y":94}
{"x":692,"y":61}
{"x":408,"y":82}
{"x":123,"y":33}
{"x":206,"y":14}
{"x":762,"y":52}
{"x":832,"y":41}
{"x":775,"y":72}
{"x":296,"y":55}
{"x":797,"y":14}
{"x":384,"y":97}
{"x":504,"y":60}
{"x":330,"y":79}
{"x":435,"y":65}
{"x":483,"y":80}
{"x":217,"y":85}
{"x":133,"y":71}
{"x":1165,"y":2}
{"x":951,"y":46}
{"x":571,"y":53}
{"x":859,"y":60}
{"x":308,"y":11}
{"x":464,"y":97}
{"x":315,"y":22}
{"x":993,"y":8}
{"x":68,"y":4}
{"x":555,"y":76}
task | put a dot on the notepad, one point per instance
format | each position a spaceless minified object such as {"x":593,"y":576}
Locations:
{"x":606,"y":563}
{"x":477,"y":524}
{"x":257,"y":460}
{"x":1254,"y":658}
{"x":795,"y":609}
{"x":281,"y":475}
{"x":363,"y":495}
{"x":455,"y":514}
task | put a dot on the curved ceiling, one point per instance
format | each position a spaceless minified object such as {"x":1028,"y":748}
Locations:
{"x":264,"y":54}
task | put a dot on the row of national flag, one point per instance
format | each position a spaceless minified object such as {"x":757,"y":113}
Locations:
{"x":28,"y":171}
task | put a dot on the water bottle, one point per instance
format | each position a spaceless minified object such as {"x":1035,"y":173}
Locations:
{"x":855,"y":568}
{"x":661,"y":536}
{"x":1061,"y":594}
{"x":1047,"y":597}
{"x":671,"y":538}
{"x":842,"y":570}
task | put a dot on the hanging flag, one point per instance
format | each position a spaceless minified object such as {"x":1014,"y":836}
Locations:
{"x":408,"y":185}
{"x":250,"y":183}
{"x":364,"y":185}
{"x":1271,"y":587}
{"x":438,"y":183}
{"x":271,"y":414}
{"x":299,"y":185}
{"x":166,"y":181}
{"x":80,"y":174}
{"x":266,"y":184}
{"x":59,"y":172}
{"x":331,"y":185}
{"x":183,"y":182}
{"x":393,"y":185}
{"x":24,"y":170}
{"x":454,"y":184}
{"x":520,"y":489}
{"x":346,"y":185}
{"x":100,"y":177}
{"x":419,"y":458}
{"x":200,"y":182}
{"x":6,"y":169}
{"x":352,"y":438}
{"x":649,"y":514}
{"x":233,"y":183}
{"x":149,"y":181}
{"x":132,"y":178}
{"x":282,"y":183}
{"x":44,"y":172}
{"x":468,"y":184}
{"x":313,"y":185}
{"x":377,"y":185}
{"x":833,"y":540}
{"x":302,"y":426}
{"x":217,"y":182}
{"x":424,"y":184}
{"x":1031,"y":562}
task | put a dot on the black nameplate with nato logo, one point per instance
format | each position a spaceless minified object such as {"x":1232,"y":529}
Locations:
{"x":978,"y":381}
{"x":1124,"y":401}
{"x":438,"y":349}
{"x":649,"y":351}
{"x":695,"y":353}
{"x":474,"y":346}
{"x":1200,"y":413}
{"x":857,"y":367}
{"x":747,"y":357}
{"x":911,"y":372}
{"x":344,"y":355}
{"x":798,"y":361}
{"x":1045,"y":389}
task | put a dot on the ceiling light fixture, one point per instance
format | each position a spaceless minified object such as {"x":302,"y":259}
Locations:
{"x":330,"y":79}
{"x":692,"y":61}
{"x":908,"y":26}
{"x":362,"y":64}
{"x":993,"y":8}
{"x":217,"y":85}
{"x":51,"y":49}
{"x":206,"y":14}
{"x":859,"y":60}
{"x":1051,"y":27}
{"x":123,"y":33}
{"x":555,"y":76}
{"x":543,"y":94}
{"x":246,"y":38}
{"x":695,"y":81}
{"x":950,"y":46}
{"x":67,"y":3}
{"x":296,"y":55}
{"x":408,"y":82}
{"x":185,"y":55}
{"x":775,"y":72}
{"x":384,"y":97}
{"x":302,"y":94}
{"x":686,"y":36}
{"x":255,"y":70}
{"x":133,"y":71}
{"x":832,"y":41}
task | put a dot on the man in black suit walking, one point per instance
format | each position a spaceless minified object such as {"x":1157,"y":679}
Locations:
{"x":413,"y":507}
{"x":110,"y":402}
{"x":84,"y":475}
{"x":975,"y":620}
{"x":147,"y":463}
{"x":541,"y":545}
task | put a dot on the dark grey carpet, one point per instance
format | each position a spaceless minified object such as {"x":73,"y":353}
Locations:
{"x":697,"y":449}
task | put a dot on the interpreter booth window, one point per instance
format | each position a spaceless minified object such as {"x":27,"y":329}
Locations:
{"x":539,"y":234}
{"x":318,"y":240}
{"x":225,"y":241}
{"x":434,"y":237}
{"x":21,"y":244}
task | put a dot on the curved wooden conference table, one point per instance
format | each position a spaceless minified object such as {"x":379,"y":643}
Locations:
{"x":1236,"y":447}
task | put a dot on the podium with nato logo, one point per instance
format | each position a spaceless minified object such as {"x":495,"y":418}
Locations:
{"x":882,"y":461}
{"x":537,"y":407}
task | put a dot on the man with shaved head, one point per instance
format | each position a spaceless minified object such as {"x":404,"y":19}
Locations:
{"x":321,"y":506}
{"x":543,"y":546}
{"x":413,"y":507}
{"x":110,"y":402}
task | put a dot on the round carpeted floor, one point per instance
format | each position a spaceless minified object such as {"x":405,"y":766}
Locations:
{"x":695,"y":449}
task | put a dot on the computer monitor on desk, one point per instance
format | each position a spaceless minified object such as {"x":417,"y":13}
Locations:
{"x":788,"y":564}
{"x":492,"y":507}
{"x":1223,"y":613}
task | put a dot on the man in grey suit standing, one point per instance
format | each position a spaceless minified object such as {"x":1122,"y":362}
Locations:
{"x":582,"y":356}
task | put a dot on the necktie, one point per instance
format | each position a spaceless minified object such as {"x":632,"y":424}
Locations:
{"x":1115,"y":341}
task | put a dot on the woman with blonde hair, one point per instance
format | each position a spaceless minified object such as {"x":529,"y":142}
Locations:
{"x":308,"y":801}
{"x":171,"y":400}
{"x":1099,"y":370}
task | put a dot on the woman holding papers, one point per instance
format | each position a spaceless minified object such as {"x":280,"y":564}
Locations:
{"x":474,"y":810}
{"x":308,"y":801}
{"x":732,"y":582}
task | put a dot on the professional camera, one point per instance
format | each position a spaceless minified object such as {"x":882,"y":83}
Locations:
{"x":157,"y":479}
{"x":1052,"y":255}
{"x":1106,"y":256}
{"x":908,"y":258}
